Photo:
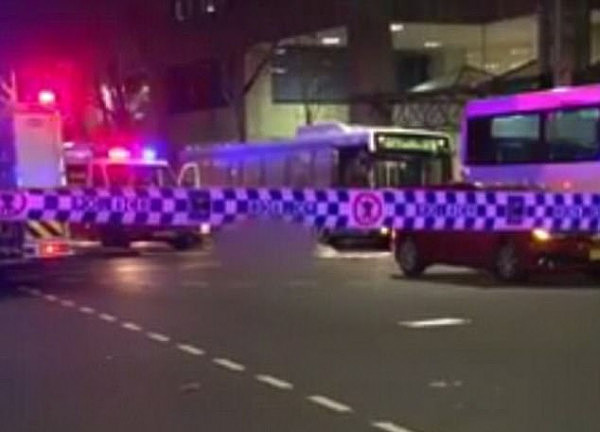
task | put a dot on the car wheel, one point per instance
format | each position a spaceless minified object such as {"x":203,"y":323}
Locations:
{"x":183,"y":242}
{"x":507,"y":265}
{"x":409,"y":258}
{"x":115,"y":240}
{"x":593,"y":272}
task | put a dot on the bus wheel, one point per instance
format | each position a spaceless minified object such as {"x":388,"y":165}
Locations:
{"x":507,"y":265}
{"x":409,"y":258}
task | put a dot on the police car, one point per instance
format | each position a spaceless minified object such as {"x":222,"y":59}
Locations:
{"x":120,"y":168}
{"x":510,"y":256}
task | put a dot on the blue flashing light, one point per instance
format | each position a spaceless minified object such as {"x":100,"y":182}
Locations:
{"x":149,"y":154}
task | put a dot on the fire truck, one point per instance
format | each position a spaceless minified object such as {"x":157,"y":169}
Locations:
{"x":31,"y":156}
{"x":92,"y":165}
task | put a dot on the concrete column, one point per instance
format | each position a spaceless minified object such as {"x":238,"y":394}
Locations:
{"x":371,"y":59}
{"x":564,"y":38}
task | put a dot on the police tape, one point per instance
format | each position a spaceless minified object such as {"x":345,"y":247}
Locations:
{"x":410,"y":209}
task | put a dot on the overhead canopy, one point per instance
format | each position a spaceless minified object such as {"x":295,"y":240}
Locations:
{"x":466,"y":79}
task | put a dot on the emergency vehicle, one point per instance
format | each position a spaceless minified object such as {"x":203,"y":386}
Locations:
{"x":124,"y":167}
{"x":31,"y":156}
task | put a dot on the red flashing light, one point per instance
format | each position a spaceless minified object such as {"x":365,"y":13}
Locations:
{"x":46,"y":97}
{"x":567,"y":185}
{"x":119,"y":153}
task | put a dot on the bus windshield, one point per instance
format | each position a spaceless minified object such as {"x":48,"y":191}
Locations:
{"x":410,"y":171}
{"x":128,"y":175}
{"x":397,"y":161}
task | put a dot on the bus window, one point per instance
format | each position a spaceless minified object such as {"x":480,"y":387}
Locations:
{"x":572,"y":135}
{"x":323,"y":165}
{"x":215,"y":173}
{"x":300,"y":169}
{"x":504,"y":139}
{"x":236,"y":172}
{"x":252,"y":172}
{"x":274,"y":164}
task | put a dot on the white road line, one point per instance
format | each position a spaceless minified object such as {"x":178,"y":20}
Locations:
{"x":435,"y":322}
{"x":388,"y":426}
{"x":191,"y":349}
{"x":35,"y":292}
{"x":50,"y":297}
{"x":274,"y":382}
{"x":131,"y":326}
{"x":329,"y":404}
{"x":87,"y":310}
{"x":67,"y":303}
{"x":158,"y":337}
{"x":107,"y":317}
{"x":229,"y":364}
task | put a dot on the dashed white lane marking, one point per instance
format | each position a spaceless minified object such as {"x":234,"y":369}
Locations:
{"x":435,"y":322}
{"x":190,"y":349}
{"x":35,"y":292}
{"x":330,"y":404}
{"x":50,"y":297}
{"x":87,"y":310}
{"x":67,"y":303}
{"x":388,"y":426}
{"x":274,"y":382}
{"x":107,"y":317}
{"x":158,"y":337}
{"x":229,"y":364}
{"x":131,"y":326}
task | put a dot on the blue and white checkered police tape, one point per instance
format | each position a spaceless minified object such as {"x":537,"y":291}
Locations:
{"x":331,"y":208}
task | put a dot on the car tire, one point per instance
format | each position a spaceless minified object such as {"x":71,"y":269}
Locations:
{"x":409,"y":258}
{"x":115,"y":240}
{"x":593,"y":272}
{"x":507,"y":264}
{"x":183,"y":242}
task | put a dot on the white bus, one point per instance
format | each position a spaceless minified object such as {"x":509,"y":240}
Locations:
{"x":547,"y":138}
{"x":326,"y":155}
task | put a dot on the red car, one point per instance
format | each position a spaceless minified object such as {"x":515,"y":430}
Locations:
{"x":510,"y":256}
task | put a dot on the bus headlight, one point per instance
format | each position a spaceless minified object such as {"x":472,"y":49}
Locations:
{"x":541,"y":235}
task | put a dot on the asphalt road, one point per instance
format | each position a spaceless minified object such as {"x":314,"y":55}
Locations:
{"x":261,"y":332}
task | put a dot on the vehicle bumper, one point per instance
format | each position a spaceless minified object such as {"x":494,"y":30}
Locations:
{"x":564,"y":254}
{"x":373,"y":238}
